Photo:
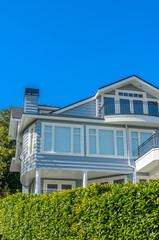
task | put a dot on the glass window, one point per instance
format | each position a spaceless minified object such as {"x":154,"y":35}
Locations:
{"x":66,"y":186}
{"x":153,"y":108}
{"x":119,"y":181}
{"x":77,"y":140}
{"x":144,"y":136}
{"x":138,"y":106}
{"x":106,"y":142}
{"x":48,"y":138}
{"x":52,"y":188}
{"x":92,"y":141}
{"x":126,"y":94}
{"x":134,"y":143}
{"x":31,"y":140}
{"x":62,"y":139}
{"x":124,"y":106}
{"x":109,"y":106}
{"x":120,"y":143}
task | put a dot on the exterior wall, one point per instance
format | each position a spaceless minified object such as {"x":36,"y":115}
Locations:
{"x":130,"y":87}
{"x":98,"y":106}
{"x":27,"y":162}
{"x":31,"y":104}
{"x":52,"y":161}
{"x":85,"y":110}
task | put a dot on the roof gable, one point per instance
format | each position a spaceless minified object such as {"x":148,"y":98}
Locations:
{"x":131,"y":83}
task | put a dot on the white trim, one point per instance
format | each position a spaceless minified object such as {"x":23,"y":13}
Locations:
{"x":59,"y":183}
{"x":71,"y":126}
{"x":127,"y":80}
{"x":114,"y":129}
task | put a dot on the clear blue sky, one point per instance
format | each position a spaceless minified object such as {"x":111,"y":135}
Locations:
{"x":68,"y":49}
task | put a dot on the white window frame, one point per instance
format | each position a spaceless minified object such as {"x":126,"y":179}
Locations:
{"x":139,"y":138}
{"x":117,"y":98}
{"x":29,"y":140}
{"x":110,"y":179}
{"x":71,"y":126}
{"x":59,"y":184}
{"x":97,"y":128}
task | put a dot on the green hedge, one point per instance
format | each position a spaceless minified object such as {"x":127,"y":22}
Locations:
{"x":98,"y":212}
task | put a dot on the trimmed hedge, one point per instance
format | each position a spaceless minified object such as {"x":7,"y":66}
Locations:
{"x":98,"y":212}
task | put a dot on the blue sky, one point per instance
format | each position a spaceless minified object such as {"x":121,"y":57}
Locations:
{"x":68,"y":49}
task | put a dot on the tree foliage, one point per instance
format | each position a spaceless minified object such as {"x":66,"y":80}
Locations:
{"x":8,"y":180}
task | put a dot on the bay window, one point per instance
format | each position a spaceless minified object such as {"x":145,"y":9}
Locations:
{"x":105,"y":141}
{"x":62,"y":138}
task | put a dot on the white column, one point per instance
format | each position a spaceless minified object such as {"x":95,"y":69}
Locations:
{"x":38,"y":181}
{"x":84,"y":179}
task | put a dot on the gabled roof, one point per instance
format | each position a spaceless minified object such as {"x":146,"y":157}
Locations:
{"x":119,"y":81}
{"x":135,"y":80}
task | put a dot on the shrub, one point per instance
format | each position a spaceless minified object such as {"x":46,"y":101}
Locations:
{"x":98,"y":212}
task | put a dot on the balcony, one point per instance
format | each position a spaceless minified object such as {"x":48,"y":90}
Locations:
{"x":148,"y":161}
{"x":132,"y":112}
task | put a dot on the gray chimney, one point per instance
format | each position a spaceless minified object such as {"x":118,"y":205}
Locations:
{"x":31,"y":97}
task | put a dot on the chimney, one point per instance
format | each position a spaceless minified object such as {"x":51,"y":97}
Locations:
{"x":31,"y":97}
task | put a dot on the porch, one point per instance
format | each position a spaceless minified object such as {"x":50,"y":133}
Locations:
{"x":50,"y":180}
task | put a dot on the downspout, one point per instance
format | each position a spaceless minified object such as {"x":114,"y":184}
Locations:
{"x":128,"y":154}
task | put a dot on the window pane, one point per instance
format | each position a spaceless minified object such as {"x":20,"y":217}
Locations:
{"x":51,"y":188}
{"x":138,"y":106}
{"x":92,"y":131}
{"x":77,"y":130}
{"x":77,"y":143}
{"x":134,"y":134}
{"x":153,"y":108}
{"x":119,"y":133}
{"x":120,"y":146}
{"x":124,"y":106}
{"x":62,"y":139}
{"x":109,"y":106}
{"x":134,"y":146}
{"x":119,"y":181}
{"x":106,"y":142}
{"x":92,"y":144}
{"x":144,"y":136}
{"x":66,"y":186}
{"x":48,"y":128}
{"x":48,"y":141}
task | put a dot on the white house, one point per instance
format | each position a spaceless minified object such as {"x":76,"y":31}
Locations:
{"x":108,"y":138}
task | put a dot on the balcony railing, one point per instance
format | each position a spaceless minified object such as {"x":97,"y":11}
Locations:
{"x":150,"y":143}
{"x":125,"y":106}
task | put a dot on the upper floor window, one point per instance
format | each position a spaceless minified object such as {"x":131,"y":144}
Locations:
{"x":62,"y":138}
{"x":105,"y":141}
{"x":127,"y":94}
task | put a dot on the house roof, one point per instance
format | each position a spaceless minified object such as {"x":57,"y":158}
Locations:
{"x":126,"y":79}
{"x":106,"y":87}
{"x":17,"y":112}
